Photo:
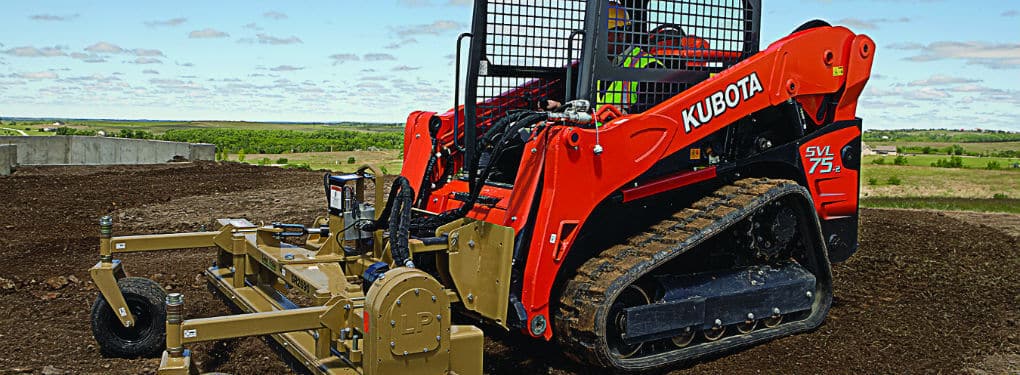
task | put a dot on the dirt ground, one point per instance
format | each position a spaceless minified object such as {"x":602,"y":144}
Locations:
{"x":927,"y":293}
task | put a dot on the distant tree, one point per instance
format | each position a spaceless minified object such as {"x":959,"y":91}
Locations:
{"x":351,"y":160}
{"x":240,"y":155}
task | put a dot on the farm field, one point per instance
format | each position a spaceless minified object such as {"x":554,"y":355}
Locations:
{"x":159,"y":127}
{"x":927,"y":160}
{"x":910,"y":264}
{"x":979,"y":147}
{"x":920,"y":186}
{"x":938,"y":182}
{"x":389,"y":160}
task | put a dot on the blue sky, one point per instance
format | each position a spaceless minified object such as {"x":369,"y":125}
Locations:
{"x":939,"y":64}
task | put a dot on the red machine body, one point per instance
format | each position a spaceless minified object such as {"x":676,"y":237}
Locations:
{"x":806,"y":66}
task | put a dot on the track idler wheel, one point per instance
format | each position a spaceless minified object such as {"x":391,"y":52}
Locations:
{"x":147,"y":337}
{"x":631,"y":296}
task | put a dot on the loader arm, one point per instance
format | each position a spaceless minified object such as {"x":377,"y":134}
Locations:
{"x":806,"y":66}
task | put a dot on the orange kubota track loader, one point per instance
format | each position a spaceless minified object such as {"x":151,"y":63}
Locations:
{"x":686,"y":199}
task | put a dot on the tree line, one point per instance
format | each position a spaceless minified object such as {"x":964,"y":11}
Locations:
{"x":284,"y":141}
{"x":264,"y":141}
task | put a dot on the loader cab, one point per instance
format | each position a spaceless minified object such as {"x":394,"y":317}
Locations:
{"x":524,"y":52}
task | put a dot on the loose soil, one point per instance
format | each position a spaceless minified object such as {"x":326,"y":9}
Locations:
{"x":927,"y":293}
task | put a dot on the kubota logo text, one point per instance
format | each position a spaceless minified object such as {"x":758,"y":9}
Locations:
{"x":716,"y":104}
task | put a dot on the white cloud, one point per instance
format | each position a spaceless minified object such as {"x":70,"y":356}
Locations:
{"x":990,"y":55}
{"x":341,"y":58}
{"x":29,"y":51}
{"x":169,"y":22}
{"x":269,"y":39}
{"x":942,"y":80}
{"x":147,"y":60}
{"x":435,"y":28}
{"x":975,"y":88}
{"x":147,"y":52}
{"x":872,"y":23}
{"x":53,"y":17}
{"x":37,"y":75}
{"x":274,"y":15}
{"x":379,"y":57}
{"x":150,"y":71}
{"x":88,"y":57}
{"x":104,"y":47}
{"x":286,"y":68}
{"x":207,"y":33}
{"x":405,"y":68}
{"x":402,"y":43}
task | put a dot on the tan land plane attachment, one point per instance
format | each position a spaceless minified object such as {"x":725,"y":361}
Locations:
{"x":402,"y":324}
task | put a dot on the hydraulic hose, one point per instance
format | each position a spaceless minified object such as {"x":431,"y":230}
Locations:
{"x":396,"y":216}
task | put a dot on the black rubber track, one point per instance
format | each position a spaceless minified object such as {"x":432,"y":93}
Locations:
{"x":580,"y":320}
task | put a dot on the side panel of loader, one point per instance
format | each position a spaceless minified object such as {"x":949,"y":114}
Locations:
{"x":576,"y":179}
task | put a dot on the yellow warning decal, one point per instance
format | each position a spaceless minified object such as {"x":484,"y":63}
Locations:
{"x":695,"y":153}
{"x":837,"y":71}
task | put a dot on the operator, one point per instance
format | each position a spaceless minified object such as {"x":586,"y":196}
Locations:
{"x":624,"y":94}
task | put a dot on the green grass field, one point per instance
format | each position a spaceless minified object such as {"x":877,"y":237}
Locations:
{"x":159,"y":127}
{"x":334,"y":161}
{"x":938,"y":182}
{"x":1008,"y":205}
{"x":979,"y":147}
{"x":943,"y":135}
{"x":914,"y":185}
{"x":927,"y":160}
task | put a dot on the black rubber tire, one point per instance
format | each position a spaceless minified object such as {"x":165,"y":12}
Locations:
{"x":147,"y":338}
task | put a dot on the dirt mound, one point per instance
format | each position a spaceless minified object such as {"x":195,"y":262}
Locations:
{"x":927,"y":293}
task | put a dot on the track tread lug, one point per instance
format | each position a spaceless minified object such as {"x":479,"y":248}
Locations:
{"x":597,"y":280}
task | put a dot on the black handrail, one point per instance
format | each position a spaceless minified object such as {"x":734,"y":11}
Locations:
{"x":570,"y":64}
{"x":456,"y":91}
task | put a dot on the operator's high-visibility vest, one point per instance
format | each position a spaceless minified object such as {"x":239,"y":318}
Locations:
{"x":623,"y":94}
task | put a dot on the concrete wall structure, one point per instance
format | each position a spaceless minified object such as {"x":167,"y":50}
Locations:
{"x":76,"y":150}
{"x":8,"y":159}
